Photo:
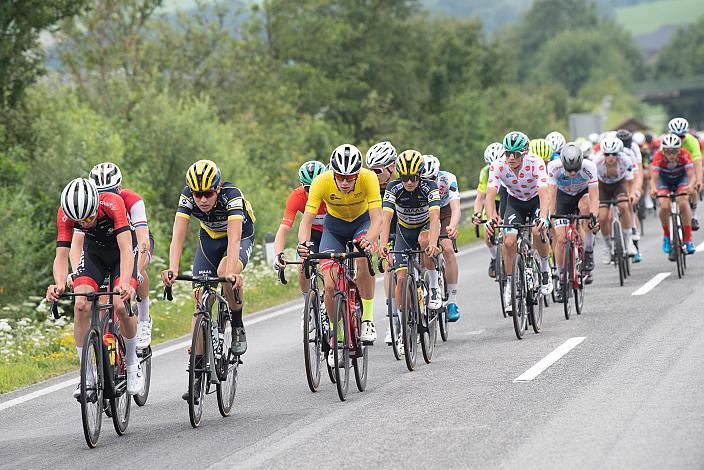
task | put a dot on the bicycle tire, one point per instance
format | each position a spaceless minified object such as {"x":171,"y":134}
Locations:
{"x":501,"y":278}
{"x":409,"y":323}
{"x":359,"y":364}
{"x":395,"y":333}
{"x":91,"y":397}
{"x":312,"y":346}
{"x":120,"y":406}
{"x":428,"y":337}
{"x":677,"y":245}
{"x":553,"y":276}
{"x":617,"y":234}
{"x":140,"y":399}
{"x":228,"y":368}
{"x":342,"y":374}
{"x":535,"y":307}
{"x":566,"y":283}
{"x":200,"y":336}
{"x":579,"y":290}
{"x":442,"y":313}
{"x":518,"y":295}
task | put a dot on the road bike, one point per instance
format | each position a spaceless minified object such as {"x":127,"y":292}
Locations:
{"x":619,"y":253}
{"x":211,"y":360}
{"x":526,"y":297}
{"x":678,"y":252}
{"x":347,"y":318}
{"x":572,"y":278}
{"x":316,"y":328}
{"x":103,"y":367}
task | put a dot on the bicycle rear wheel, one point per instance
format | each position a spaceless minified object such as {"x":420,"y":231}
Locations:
{"x":553,"y":276}
{"x":341,"y":351}
{"x":312,"y":340}
{"x":409,"y":322}
{"x":442,"y":313}
{"x":501,"y":278}
{"x":518,"y":295}
{"x":579,"y":282}
{"x":120,"y":406}
{"x":141,"y":398}
{"x":536,"y":303}
{"x":228,"y":366}
{"x":429,"y":335}
{"x":566,"y":281}
{"x":394,"y":322}
{"x":361,"y":360}
{"x":92,"y":387}
{"x":197,"y":376}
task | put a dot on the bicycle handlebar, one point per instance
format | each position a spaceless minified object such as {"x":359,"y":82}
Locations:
{"x":168,"y":291}
{"x":571,"y":216}
{"x":671,"y":195}
{"x":92,"y":296}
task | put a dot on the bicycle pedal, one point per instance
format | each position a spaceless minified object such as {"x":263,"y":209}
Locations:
{"x":367,"y":343}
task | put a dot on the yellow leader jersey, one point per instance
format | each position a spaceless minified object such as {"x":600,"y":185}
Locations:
{"x":364,"y":195}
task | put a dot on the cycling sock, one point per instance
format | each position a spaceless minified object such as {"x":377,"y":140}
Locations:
{"x":687,"y":233}
{"x":666,"y":231}
{"x":452,"y":291}
{"x":627,"y":238}
{"x":80,"y":354}
{"x":545,"y":264}
{"x":236,"y":316}
{"x":508,"y":282}
{"x":589,"y":241}
{"x":433,"y":278}
{"x":143,"y":310}
{"x":492,"y":250}
{"x":368,"y":310}
{"x":131,"y":351}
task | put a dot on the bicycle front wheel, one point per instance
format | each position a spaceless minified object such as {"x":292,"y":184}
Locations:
{"x":442,"y":313}
{"x":120,"y":406}
{"x":518,"y":295}
{"x":394,"y":322}
{"x":92,"y":387}
{"x":312,"y":340}
{"x":361,"y":356}
{"x":579,"y":282}
{"x":228,"y":366}
{"x":341,"y":352}
{"x":676,"y":245}
{"x":535,"y":301}
{"x":429,"y":333}
{"x":566,"y":281}
{"x":619,"y":251}
{"x":409,"y":322}
{"x":197,"y":376}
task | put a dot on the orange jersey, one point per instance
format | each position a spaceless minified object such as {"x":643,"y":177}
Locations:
{"x":296,"y":203}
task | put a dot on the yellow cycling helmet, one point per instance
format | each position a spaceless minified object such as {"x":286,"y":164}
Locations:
{"x":541,"y":148}
{"x":203,"y":175}
{"x":409,"y":163}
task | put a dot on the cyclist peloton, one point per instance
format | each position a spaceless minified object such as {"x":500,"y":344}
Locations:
{"x":296,"y":203}
{"x":381,"y":159}
{"x":673,"y":171}
{"x":573,"y":190}
{"x":351,"y":194}
{"x":680,"y":127}
{"x":108,"y":178}
{"x":524,"y":176}
{"x":614,"y":170}
{"x":416,"y":202}
{"x":224,"y":241}
{"x":635,"y":188}
{"x":109,"y":247}
{"x":491,"y":152}
{"x":450,"y":215}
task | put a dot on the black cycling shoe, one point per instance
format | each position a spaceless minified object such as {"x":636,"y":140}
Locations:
{"x":588,"y":261}
{"x":239,"y":341}
{"x":695,"y":224}
{"x":558,"y":294}
{"x":588,"y":278}
{"x":196,"y":395}
{"x":492,"y":268}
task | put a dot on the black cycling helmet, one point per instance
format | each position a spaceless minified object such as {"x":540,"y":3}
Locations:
{"x":625,"y":136}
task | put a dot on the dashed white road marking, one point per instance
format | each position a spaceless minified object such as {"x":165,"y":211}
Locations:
{"x":650,"y":285}
{"x":549,"y":360}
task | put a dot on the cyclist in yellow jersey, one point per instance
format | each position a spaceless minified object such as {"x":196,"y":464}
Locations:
{"x":351,"y":194}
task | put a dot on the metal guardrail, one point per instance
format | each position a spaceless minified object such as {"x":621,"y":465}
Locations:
{"x":467,"y":200}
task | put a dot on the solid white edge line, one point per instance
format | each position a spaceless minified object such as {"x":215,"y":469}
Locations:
{"x":650,"y":285}
{"x":549,"y":360}
{"x":160,"y":352}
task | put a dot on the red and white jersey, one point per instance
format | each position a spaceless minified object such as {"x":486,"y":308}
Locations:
{"x":135,"y":207}
{"x":623,"y":169}
{"x":522,"y":185}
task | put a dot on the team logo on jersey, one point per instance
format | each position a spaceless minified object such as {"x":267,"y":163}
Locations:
{"x":235,"y":204}
{"x":183,"y":201}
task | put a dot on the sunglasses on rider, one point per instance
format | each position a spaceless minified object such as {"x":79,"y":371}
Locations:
{"x":378,"y":171}
{"x":89,"y":220}
{"x":671,"y":152}
{"x":514,"y":154}
{"x":610,"y":154}
{"x":339,"y":177}
{"x":406,"y":178}
{"x":204,"y":194}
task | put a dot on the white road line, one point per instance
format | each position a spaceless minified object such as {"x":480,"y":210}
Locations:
{"x":549,"y":360}
{"x":475,"y":332}
{"x":648,"y":286}
{"x":700,"y":247}
{"x":160,"y":352}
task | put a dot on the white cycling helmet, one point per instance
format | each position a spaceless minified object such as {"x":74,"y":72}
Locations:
{"x":611,"y":145}
{"x":671,"y":141}
{"x":106,"y":176}
{"x":381,"y":155}
{"x":431,"y":167}
{"x":80,"y":199}
{"x":678,"y":126}
{"x":594,"y":138}
{"x":346,"y":160}
{"x":586,"y":148}
{"x":556,"y":141}
{"x":493,"y":151}
{"x":639,"y":138}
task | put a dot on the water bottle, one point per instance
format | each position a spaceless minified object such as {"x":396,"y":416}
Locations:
{"x":214,"y":336}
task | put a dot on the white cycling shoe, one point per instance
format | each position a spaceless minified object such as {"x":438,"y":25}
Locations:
{"x":434,"y":299}
{"x":368,"y":334}
{"x":144,"y":334}
{"x":135,"y":379}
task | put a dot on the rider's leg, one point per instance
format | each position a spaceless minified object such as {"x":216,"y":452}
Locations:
{"x":625,"y":209}
{"x":561,"y":232}
{"x":686,"y":215}
{"x":451,"y":268}
{"x":665,"y":214}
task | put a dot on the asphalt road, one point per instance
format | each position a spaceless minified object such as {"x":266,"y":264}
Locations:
{"x":627,"y":396}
